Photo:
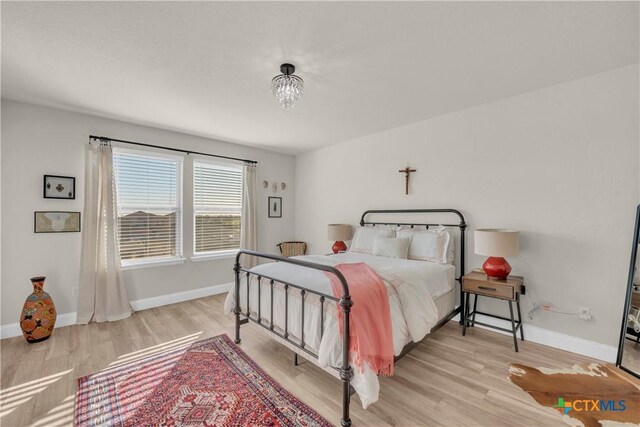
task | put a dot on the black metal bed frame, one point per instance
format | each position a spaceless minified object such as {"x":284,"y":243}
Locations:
{"x":345,"y":302}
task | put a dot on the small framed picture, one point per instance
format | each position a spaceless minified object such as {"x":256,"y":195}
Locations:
{"x":275,"y":207}
{"x":56,"y":222}
{"x":59,"y":187}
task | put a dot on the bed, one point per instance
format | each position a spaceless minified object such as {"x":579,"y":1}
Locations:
{"x":292,"y":299}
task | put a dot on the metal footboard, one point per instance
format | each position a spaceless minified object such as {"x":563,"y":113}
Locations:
{"x":344,"y":301}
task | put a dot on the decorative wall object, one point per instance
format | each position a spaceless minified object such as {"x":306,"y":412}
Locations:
{"x":38,"y":313}
{"x":274,"y":185}
{"x":275,"y":207}
{"x":59,"y":187}
{"x":406,"y":171}
{"x":56,"y":222}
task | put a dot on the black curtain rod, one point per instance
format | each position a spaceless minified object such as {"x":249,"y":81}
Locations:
{"x":104,"y":138}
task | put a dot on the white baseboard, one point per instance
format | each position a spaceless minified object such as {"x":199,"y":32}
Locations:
{"x":66,"y":319}
{"x":145,"y":303}
{"x":555,"y":339}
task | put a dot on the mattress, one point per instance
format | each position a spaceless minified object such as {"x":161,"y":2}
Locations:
{"x":445,"y":303}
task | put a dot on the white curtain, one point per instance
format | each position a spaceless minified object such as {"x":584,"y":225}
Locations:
{"x":248,"y":230}
{"x":102,"y":295}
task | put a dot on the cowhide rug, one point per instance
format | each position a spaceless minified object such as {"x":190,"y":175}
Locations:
{"x":593,"y":395}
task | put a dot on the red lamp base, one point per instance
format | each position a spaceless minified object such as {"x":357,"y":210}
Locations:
{"x":496,"y":267}
{"x":339,"y":246}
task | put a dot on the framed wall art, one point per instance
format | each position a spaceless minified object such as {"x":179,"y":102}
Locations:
{"x":275,"y":207}
{"x":59,"y":187}
{"x":56,"y":222}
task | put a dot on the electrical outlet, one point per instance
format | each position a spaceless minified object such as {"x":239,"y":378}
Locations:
{"x":585,"y":313}
{"x":74,"y":292}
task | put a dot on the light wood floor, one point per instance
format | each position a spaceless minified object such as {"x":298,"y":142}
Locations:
{"x":447,"y":380}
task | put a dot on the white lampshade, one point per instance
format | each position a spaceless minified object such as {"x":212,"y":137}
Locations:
{"x":339,"y":232}
{"x":497,"y":243}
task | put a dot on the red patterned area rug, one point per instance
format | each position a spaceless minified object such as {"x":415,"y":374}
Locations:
{"x":210,"y":383}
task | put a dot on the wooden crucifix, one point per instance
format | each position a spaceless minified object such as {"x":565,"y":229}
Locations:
{"x":406,"y":172}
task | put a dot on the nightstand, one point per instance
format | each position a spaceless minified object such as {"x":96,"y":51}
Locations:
{"x":477,"y":283}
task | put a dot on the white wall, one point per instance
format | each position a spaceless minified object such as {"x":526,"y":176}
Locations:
{"x":560,"y":164}
{"x":38,"y":141}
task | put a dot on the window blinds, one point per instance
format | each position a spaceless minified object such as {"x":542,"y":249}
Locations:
{"x":217,"y":193}
{"x":149,"y":205}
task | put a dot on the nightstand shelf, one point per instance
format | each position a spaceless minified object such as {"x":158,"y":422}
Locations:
{"x":478,"y":284}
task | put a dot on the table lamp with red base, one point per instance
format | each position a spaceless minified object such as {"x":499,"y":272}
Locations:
{"x":339,"y":233}
{"x":496,"y":244}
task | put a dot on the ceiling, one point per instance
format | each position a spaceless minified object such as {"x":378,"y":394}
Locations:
{"x":204,"y":68}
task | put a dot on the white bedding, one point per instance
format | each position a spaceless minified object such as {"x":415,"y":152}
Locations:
{"x":412,"y":287}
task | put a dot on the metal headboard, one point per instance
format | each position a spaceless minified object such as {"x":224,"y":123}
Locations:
{"x":462,"y":225}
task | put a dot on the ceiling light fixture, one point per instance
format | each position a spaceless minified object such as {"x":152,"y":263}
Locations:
{"x":286,"y":87}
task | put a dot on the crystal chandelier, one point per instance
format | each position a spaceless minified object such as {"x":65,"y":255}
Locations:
{"x":286,"y":87}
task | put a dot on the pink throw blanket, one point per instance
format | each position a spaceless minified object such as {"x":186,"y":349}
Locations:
{"x":370,"y":333}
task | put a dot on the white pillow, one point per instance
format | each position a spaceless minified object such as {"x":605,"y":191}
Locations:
{"x":428,"y":245}
{"x":451,"y":250}
{"x":392,"y":247}
{"x":364,"y":238}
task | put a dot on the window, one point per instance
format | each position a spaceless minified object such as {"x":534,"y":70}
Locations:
{"x":149,"y":205}
{"x":217,"y":196}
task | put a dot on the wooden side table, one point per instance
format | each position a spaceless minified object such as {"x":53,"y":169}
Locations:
{"x":478,"y":284}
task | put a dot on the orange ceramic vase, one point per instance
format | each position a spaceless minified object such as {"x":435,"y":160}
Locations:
{"x":38,"y":314}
